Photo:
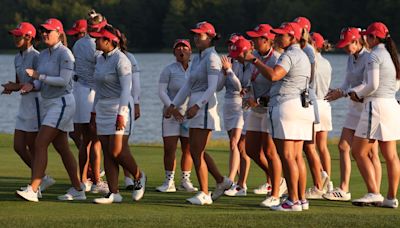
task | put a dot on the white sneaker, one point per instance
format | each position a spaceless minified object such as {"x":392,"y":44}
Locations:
{"x":337,"y":195}
{"x":221,"y":187}
{"x":305,"y":205}
{"x":39,"y":192}
{"x":47,"y":181}
{"x":282,"y":187}
{"x":128,"y":183}
{"x":139,"y":187}
{"x":369,"y":199}
{"x":201,"y":199}
{"x":167,"y":186}
{"x":109,"y":198}
{"x":392,"y":203}
{"x":88,"y":185}
{"x":100,"y":187}
{"x":186,"y":185}
{"x":287,"y":205}
{"x":270,"y":201}
{"x":102,"y":173}
{"x":263,"y":189}
{"x":236,"y":190}
{"x":325,"y":179}
{"x":28,"y":194}
{"x":314,"y":193}
{"x":73,"y":194}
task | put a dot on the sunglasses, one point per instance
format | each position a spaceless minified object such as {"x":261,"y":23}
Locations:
{"x":43,"y":30}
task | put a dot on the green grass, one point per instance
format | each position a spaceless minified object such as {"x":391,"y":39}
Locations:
{"x":170,"y":209}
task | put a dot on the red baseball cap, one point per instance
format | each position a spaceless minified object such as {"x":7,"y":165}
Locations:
{"x":205,"y":27}
{"x":78,"y":27}
{"x":53,"y":24}
{"x":24,"y":28}
{"x":377,"y":29}
{"x":304,"y":23}
{"x":262,"y":30}
{"x":182,"y":41}
{"x":291,"y":28}
{"x":240,"y":46}
{"x":233,"y":38}
{"x":106,"y":34}
{"x":347,"y":36}
{"x":318,"y":39}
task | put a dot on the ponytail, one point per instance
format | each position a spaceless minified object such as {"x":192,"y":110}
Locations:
{"x":63,"y":39}
{"x":392,"y":49}
{"x":123,"y":41}
{"x":305,"y":38}
{"x":326,"y":47}
{"x":215,"y":39}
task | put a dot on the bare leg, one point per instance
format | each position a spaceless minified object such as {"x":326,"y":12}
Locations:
{"x":20,"y":146}
{"x":298,"y":145}
{"x":360,"y":149}
{"x":314,"y":162}
{"x":389,"y":151}
{"x":61,"y":145}
{"x":324,"y":154}
{"x":274,"y":163}
{"x":374,"y":156}
{"x":244,"y":162}
{"x":286,"y":151}
{"x":170,"y":144}
{"x":254,"y":150}
{"x":198,"y":140}
{"x":186,"y":159}
{"x":234,"y":158}
{"x":111,"y":167}
{"x":345,"y":161}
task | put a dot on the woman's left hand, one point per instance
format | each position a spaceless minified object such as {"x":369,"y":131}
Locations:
{"x":32,"y":73}
{"x":137,"y":111}
{"x":192,"y":111}
{"x":226,"y":63}
{"x":354,"y":97}
{"x":120,"y":124}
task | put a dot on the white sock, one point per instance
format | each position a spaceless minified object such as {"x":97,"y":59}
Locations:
{"x":186,"y":175}
{"x":169,"y":175}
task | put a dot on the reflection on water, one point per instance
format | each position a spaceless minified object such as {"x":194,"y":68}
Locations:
{"x":147,"y":128}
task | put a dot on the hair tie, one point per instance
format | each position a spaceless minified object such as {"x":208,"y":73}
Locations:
{"x":388,"y":35}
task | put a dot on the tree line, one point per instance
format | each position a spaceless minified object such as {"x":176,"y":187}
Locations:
{"x":153,"y":25}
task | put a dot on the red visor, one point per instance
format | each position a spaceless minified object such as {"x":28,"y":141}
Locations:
{"x":262,"y":30}
{"x":291,"y":28}
{"x":377,"y":29}
{"x":106,"y":34}
{"x":78,"y":27}
{"x":240,"y":46}
{"x":53,"y":24}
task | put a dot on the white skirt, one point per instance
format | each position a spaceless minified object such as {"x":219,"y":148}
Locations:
{"x":257,"y":122}
{"x":233,"y":114}
{"x":325,"y":116}
{"x":84,"y":98}
{"x":106,"y":117}
{"x":28,"y":117}
{"x":171,"y":127}
{"x":291,"y":121}
{"x":207,"y":116}
{"x":245,"y":119}
{"x":353,"y":115}
{"x":379,"y":120}
{"x":58,"y":112}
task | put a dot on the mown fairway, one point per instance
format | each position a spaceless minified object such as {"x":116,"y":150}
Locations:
{"x":170,"y":209}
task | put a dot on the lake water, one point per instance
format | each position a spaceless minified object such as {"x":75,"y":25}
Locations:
{"x":147,"y":128}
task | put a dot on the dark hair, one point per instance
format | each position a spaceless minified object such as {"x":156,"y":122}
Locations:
{"x":122,"y":38}
{"x":215,"y":39}
{"x":326,"y":47}
{"x":392,"y":49}
{"x":305,"y":38}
